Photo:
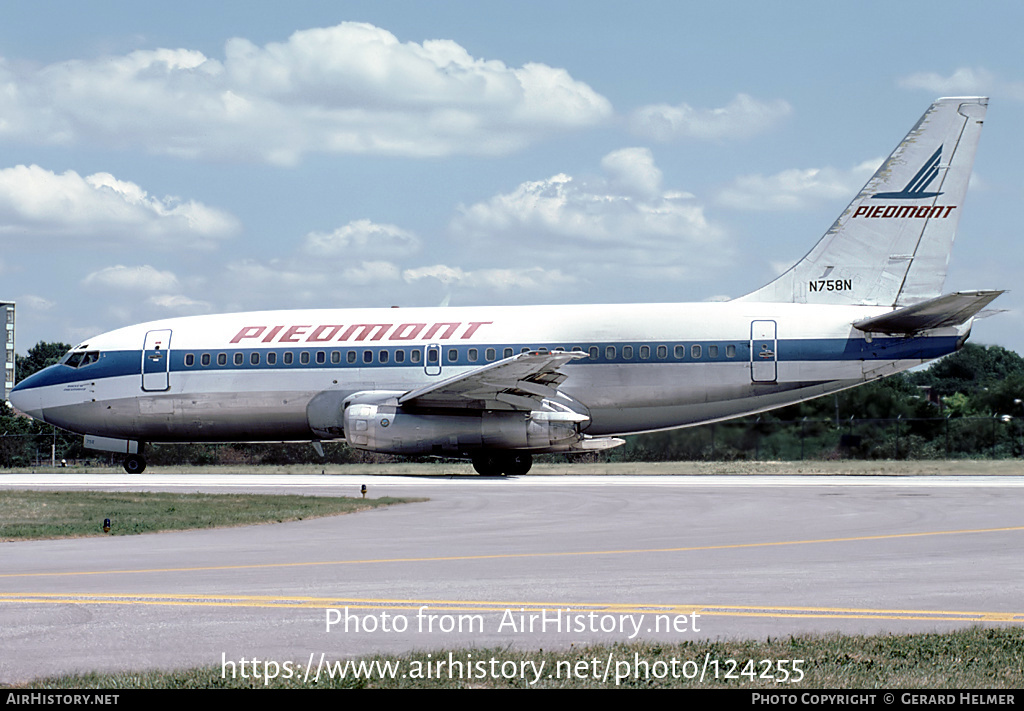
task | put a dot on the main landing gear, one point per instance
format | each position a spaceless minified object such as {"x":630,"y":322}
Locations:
{"x":502,"y":463}
{"x":135,"y":464}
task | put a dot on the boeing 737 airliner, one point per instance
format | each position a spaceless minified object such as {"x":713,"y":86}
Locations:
{"x":499,"y":384}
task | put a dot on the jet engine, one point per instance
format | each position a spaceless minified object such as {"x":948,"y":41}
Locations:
{"x":374,"y":421}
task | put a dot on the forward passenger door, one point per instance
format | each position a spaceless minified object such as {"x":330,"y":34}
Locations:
{"x":156,"y":361}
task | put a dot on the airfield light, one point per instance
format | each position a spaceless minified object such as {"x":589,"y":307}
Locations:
{"x":106,"y":525}
{"x":362,"y":490}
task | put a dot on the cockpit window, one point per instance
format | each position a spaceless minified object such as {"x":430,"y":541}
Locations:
{"x":78,"y":359}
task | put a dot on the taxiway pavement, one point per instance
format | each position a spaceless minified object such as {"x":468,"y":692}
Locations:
{"x":534,"y":562}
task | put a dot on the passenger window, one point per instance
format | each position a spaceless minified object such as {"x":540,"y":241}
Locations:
{"x":679,"y":352}
{"x":595,"y":352}
{"x":490,"y":354}
{"x":321,"y":357}
{"x":627,"y":352}
{"x":507,"y":353}
{"x":712,"y":351}
{"x":304,"y":357}
{"x":271,"y":358}
{"x":335,"y":357}
{"x":695,"y":351}
{"x":433,"y":356}
{"x":288,"y":357}
{"x":383,"y":356}
{"x":609,"y":352}
{"x":205,"y":359}
{"x":645,"y":352}
{"x":730,"y":351}
{"x":662,"y":352}
{"x":367,"y":356}
{"x":416,"y":356}
{"x":351,"y":357}
{"x":190,"y":360}
{"x":254,"y":358}
{"x":239,"y":358}
{"x":222,"y":359}
{"x":453,"y":355}
{"x":473,"y":355}
{"x":400,"y":355}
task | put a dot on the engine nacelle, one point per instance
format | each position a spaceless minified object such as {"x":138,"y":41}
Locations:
{"x":374,"y":421}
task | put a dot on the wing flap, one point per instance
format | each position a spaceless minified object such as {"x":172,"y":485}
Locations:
{"x":942,"y":311}
{"x":520,"y":382}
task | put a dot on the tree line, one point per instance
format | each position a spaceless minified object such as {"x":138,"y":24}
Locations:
{"x":970,"y":403}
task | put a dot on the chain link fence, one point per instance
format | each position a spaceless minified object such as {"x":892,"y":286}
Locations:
{"x":851,"y":438}
{"x":753,"y":439}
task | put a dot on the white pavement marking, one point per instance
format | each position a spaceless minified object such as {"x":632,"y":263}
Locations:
{"x":313,"y":481}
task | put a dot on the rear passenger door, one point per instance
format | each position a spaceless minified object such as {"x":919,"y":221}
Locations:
{"x":764,"y":352}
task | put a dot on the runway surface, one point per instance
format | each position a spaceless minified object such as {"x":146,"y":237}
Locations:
{"x":582,"y":558}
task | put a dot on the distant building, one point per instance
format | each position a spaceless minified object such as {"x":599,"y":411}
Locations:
{"x":7,"y":352}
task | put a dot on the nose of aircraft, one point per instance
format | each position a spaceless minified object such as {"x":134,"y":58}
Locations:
{"x":28,"y":399}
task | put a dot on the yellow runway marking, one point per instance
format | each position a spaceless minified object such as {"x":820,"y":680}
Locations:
{"x":500,"y":556}
{"x":455,"y":607}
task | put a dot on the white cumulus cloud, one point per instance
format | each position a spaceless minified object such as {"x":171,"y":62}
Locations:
{"x":616,"y":232}
{"x":531,"y":278}
{"x":352,"y":88}
{"x":632,"y":171}
{"x":179,"y":304}
{"x":972,"y":81}
{"x":742,"y":117}
{"x":628,"y":207}
{"x":141,"y":278}
{"x":796,"y":189}
{"x":361,"y":237}
{"x":963,"y":80}
{"x":371,"y":273}
{"x":103,"y":210}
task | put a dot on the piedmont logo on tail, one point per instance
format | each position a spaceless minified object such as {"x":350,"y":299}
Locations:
{"x":500,"y":384}
{"x":915,"y":188}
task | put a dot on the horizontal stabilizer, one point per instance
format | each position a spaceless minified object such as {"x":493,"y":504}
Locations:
{"x":942,"y":311}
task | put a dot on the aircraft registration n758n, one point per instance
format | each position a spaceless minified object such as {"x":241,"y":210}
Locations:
{"x":499,"y":384}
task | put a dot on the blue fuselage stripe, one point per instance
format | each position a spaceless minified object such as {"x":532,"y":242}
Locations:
{"x":125,"y":363}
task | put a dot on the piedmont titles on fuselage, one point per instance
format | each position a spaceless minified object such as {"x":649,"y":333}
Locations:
{"x":326,"y":333}
{"x":500,"y":384}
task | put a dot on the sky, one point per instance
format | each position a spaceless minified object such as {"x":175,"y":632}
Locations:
{"x":187,"y":158}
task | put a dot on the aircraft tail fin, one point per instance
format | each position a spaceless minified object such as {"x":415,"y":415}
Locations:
{"x":891,"y":245}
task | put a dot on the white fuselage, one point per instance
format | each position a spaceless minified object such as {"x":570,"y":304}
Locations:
{"x":251,"y":376}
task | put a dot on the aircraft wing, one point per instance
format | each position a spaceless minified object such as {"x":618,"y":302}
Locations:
{"x":947,"y":310}
{"x":519,"y":382}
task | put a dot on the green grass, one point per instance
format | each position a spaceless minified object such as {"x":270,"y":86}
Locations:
{"x":978,"y":658}
{"x":64,"y":514}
